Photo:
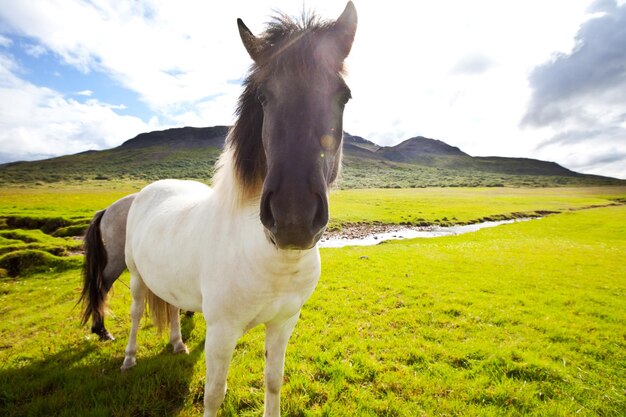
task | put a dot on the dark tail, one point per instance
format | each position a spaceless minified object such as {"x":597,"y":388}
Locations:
{"x":94,"y":289}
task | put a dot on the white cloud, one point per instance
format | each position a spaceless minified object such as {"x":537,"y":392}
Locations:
{"x":473,"y":64}
{"x":38,"y":121}
{"x":581,"y":96}
{"x":216,"y":111}
{"x":5,"y":42}
{"x":34,"y":50}
{"x":403,"y":79}
{"x":169,"y":54}
{"x":86,"y":93}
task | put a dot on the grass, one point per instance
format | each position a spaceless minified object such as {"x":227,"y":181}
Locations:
{"x":525,"y":319}
{"x":71,"y":201}
{"x":461,"y":205}
{"x":39,"y":225}
{"x":358,"y":173}
{"x":118,"y":164}
{"x":522,"y":319}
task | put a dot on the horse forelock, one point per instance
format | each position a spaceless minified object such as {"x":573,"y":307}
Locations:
{"x":296,"y":46}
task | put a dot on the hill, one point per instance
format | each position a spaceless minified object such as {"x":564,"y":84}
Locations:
{"x":191,"y":153}
{"x":185,"y":137}
{"x":420,"y":150}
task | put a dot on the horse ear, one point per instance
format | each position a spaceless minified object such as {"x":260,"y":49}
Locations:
{"x":251,"y":42}
{"x":344,"y":30}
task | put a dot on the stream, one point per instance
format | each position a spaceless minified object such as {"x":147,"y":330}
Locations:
{"x":404,"y":232}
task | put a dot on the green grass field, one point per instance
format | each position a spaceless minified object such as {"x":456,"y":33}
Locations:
{"x":462,"y":205}
{"x":526,"y":319}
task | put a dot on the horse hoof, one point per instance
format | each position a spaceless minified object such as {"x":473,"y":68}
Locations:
{"x":102,"y":332}
{"x":106,"y":336}
{"x":128,"y":363}
{"x":180,"y":348}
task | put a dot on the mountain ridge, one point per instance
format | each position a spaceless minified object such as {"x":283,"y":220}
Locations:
{"x":190,"y":152}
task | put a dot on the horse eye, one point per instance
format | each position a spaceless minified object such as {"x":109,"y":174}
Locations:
{"x":262,"y":98}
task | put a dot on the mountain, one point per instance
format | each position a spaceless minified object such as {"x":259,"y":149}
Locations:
{"x":420,"y":150}
{"x":191,"y":153}
{"x":435,"y":153}
{"x":351,"y":141}
{"x":185,"y":137}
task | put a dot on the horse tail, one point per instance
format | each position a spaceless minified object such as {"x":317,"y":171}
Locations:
{"x":94,"y":292}
{"x":159,"y":311}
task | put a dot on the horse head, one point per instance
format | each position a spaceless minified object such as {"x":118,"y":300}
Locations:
{"x":295,"y":95}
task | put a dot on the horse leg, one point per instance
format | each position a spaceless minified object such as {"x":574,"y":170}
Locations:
{"x":97,"y":319}
{"x":219,"y":347}
{"x":116,"y":264}
{"x":276,"y":338}
{"x":138,"y":291}
{"x":176,"y":339}
{"x":97,"y":327}
{"x":111,"y":273}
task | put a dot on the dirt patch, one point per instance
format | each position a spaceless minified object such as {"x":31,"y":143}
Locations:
{"x":618,"y":202}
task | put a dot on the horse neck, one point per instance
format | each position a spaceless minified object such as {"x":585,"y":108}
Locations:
{"x":228,"y":188}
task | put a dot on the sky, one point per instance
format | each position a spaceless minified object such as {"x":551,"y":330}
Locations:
{"x":528,"y":78}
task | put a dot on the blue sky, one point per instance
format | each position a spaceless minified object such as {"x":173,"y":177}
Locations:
{"x":44,"y":68}
{"x":518,"y":78}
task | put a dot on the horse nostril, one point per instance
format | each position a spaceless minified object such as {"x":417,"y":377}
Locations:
{"x":320,"y":219}
{"x":267,"y":217}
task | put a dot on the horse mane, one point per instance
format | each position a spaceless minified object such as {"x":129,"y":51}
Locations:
{"x":288,"y":44}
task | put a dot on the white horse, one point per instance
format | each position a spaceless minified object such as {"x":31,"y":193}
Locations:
{"x":244,"y":252}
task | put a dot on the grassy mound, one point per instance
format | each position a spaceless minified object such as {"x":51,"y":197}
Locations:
{"x":40,"y":244}
{"x":30,"y":261}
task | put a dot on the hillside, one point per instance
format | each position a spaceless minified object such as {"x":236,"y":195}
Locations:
{"x":421,"y":150}
{"x":191,"y":153}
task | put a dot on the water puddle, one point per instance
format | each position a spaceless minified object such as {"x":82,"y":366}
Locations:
{"x":410,"y":233}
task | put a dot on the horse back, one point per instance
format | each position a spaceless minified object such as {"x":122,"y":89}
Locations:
{"x":165,"y":206}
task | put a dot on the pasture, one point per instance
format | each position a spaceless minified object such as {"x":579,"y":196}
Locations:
{"x":523,"y":319}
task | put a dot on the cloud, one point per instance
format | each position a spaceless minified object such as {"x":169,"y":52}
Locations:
{"x":596,"y":151}
{"x":162,"y":51}
{"x":85,"y":93}
{"x":581,"y":96}
{"x":594,"y":72}
{"x":34,"y":50}
{"x":473,"y":64}
{"x":39,"y":122}
{"x":5,"y":42}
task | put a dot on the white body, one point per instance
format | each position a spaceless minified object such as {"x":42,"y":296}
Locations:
{"x":202,"y":249}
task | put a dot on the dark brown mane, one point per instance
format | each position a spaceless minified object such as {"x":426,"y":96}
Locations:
{"x":288,"y":43}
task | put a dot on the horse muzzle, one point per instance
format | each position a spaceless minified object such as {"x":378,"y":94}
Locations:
{"x":294,"y":222}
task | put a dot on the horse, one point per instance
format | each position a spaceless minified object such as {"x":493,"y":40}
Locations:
{"x":244,"y":251}
{"x":104,"y":243}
